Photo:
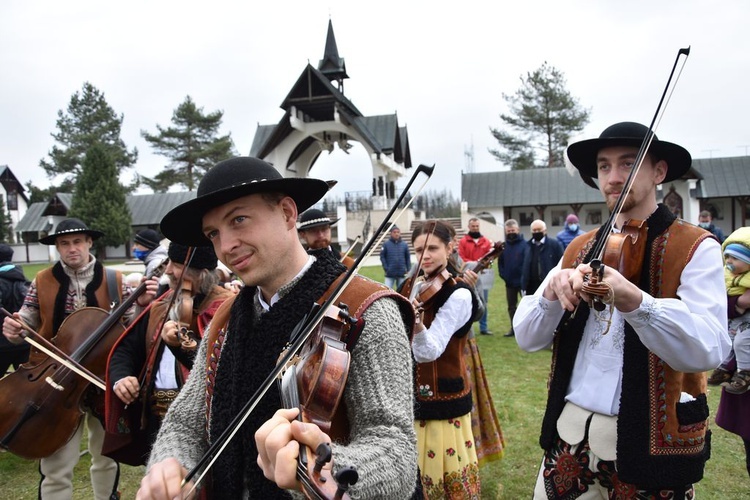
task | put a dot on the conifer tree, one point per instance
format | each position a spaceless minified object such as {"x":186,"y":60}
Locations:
{"x":192,"y":145}
{"x":89,"y":120}
{"x":543,"y":115}
{"x":99,"y":200}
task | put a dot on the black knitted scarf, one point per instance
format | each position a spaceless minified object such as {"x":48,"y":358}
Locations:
{"x":250,"y":352}
{"x":62,"y":293}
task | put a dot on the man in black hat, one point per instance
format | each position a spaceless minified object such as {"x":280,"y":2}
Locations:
{"x":165,"y":338}
{"x":78,"y":280}
{"x":314,"y":228}
{"x":627,"y":404}
{"x":248,"y":211}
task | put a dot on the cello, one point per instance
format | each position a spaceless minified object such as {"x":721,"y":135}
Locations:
{"x":44,"y":399}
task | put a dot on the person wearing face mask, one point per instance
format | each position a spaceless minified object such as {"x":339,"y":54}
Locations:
{"x":542,"y":256}
{"x":510,"y":267}
{"x":146,"y":248}
{"x":570,"y":231}
{"x":705,"y":220}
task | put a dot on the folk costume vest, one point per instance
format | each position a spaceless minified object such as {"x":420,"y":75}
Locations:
{"x":231,"y":378}
{"x":52,"y":290}
{"x":661,"y":443}
{"x":443,"y":388}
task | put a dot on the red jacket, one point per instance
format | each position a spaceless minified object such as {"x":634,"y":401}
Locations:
{"x":471,"y":250}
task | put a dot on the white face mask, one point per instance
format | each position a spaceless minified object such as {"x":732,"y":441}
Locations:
{"x":573,"y":227}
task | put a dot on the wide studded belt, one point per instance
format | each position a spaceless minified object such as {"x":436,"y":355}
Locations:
{"x":161,"y":399}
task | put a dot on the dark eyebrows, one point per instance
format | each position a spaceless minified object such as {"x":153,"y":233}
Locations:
{"x":624,"y":156}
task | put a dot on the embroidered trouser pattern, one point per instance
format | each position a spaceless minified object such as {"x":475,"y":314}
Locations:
{"x":574,"y":472}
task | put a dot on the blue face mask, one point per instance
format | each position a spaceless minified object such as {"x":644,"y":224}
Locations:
{"x":704,"y":225}
{"x":573,"y":228}
{"x":141,"y":254}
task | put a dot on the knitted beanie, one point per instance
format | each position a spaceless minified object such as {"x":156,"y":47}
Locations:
{"x":147,"y":238}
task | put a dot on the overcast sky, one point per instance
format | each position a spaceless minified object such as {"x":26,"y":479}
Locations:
{"x":443,"y":67}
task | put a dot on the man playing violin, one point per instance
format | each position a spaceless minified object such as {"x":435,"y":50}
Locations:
{"x":78,"y":280}
{"x":165,"y":338}
{"x":248,"y":211}
{"x":314,"y":228}
{"x":626,"y":412}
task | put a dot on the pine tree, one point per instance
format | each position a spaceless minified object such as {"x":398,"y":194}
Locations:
{"x":89,"y":120}
{"x":543,"y":116}
{"x":99,"y":200}
{"x":191,"y":144}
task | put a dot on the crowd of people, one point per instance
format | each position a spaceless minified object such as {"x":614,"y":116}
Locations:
{"x":387,"y":395}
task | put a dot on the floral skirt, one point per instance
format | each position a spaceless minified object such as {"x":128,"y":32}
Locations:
{"x":447,"y":458}
{"x":488,"y":436}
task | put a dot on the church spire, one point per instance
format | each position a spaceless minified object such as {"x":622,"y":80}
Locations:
{"x":333,"y":66}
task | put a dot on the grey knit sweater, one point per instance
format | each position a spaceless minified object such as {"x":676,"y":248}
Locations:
{"x":378,"y":399}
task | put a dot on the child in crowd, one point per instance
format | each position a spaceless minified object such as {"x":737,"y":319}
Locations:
{"x":736,"y":273}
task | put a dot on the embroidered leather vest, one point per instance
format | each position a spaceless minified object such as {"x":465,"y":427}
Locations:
{"x":443,"y":387}
{"x":47,"y":289}
{"x":661,"y":442}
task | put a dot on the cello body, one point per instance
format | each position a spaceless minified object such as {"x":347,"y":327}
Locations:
{"x":42,"y":401}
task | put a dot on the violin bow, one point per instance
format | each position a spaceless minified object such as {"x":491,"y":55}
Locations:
{"x":148,"y":367}
{"x":301,"y":334}
{"x":645,"y":144}
{"x":351,"y":247}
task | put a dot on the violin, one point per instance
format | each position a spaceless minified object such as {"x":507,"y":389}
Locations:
{"x":188,"y":338}
{"x":315,"y":384}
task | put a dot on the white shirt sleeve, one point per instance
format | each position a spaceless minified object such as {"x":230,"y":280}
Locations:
{"x":536,"y":318}
{"x":689,"y":333}
{"x":429,"y":344}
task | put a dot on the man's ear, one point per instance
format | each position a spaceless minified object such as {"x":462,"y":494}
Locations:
{"x":660,"y":171}
{"x":289,"y":208}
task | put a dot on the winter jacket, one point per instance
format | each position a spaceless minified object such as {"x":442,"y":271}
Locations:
{"x":550,"y":253}
{"x":510,"y":262}
{"x":395,"y":258}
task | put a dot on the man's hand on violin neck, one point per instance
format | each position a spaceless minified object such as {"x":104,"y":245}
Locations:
{"x":625,"y":295}
{"x":163,"y":481}
{"x":279,"y":441}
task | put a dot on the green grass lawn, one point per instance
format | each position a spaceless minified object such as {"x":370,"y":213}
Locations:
{"x":518,"y":382}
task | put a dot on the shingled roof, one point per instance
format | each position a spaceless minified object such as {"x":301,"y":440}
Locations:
{"x":513,"y":188}
{"x":723,"y":177}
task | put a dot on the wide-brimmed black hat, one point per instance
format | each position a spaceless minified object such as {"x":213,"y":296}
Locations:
{"x":70,"y":226}
{"x":229,"y":180}
{"x":583,"y":154}
{"x":314,"y":218}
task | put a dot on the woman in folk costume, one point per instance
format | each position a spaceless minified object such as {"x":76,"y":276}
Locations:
{"x":489,"y":441}
{"x":445,"y":443}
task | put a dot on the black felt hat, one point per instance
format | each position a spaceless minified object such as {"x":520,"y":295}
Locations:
{"x":70,"y":226}
{"x":229,"y":180}
{"x":203,"y":257}
{"x":314,"y":218}
{"x":583,"y":154}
